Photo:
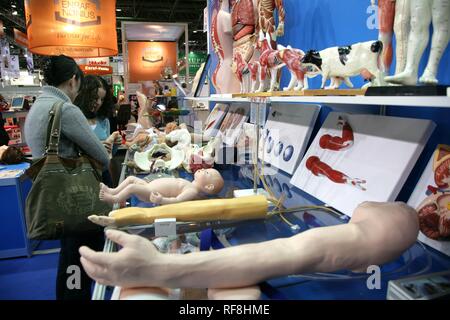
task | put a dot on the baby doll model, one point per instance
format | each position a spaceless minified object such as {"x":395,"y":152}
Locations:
{"x":165,"y":190}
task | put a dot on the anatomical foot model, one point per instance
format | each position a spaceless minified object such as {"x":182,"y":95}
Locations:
{"x":338,"y":143}
{"x":423,"y":12}
{"x":321,"y":169}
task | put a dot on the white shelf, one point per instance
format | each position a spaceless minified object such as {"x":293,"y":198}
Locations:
{"x":405,"y":101}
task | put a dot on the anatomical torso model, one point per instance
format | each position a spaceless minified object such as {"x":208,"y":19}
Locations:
{"x":423,"y":12}
{"x":222,"y":40}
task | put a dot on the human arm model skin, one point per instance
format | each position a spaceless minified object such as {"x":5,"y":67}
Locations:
{"x":377,"y":233}
{"x":321,"y":169}
{"x":164,"y":190}
{"x":423,"y":12}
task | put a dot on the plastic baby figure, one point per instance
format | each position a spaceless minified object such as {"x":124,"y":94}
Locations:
{"x":165,"y":190}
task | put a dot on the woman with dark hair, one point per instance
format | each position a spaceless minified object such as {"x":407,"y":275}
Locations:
{"x":94,"y":100}
{"x":64,"y":79}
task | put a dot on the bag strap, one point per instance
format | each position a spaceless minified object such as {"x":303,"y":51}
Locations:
{"x":54,"y":128}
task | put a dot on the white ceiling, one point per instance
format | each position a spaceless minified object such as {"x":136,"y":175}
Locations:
{"x":153,"y":31}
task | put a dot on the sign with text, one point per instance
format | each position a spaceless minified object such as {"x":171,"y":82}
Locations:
{"x":148,"y":60}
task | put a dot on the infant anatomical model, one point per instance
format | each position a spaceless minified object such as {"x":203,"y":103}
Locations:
{"x":165,"y":190}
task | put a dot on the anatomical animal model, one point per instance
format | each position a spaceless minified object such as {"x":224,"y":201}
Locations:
{"x":222,"y":42}
{"x":242,"y":72}
{"x":344,"y":62}
{"x":423,"y":12}
{"x":269,"y":61}
{"x":292,"y":59}
{"x":165,"y":190}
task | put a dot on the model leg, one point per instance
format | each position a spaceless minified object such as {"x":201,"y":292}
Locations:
{"x":292,"y":82}
{"x":418,"y":40}
{"x":348,"y":82}
{"x":386,"y":16}
{"x":142,"y":192}
{"x":273,"y":79}
{"x":402,"y":26}
{"x":441,"y":14}
{"x":123,"y":185}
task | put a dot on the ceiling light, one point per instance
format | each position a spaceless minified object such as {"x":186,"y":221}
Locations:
{"x":13,"y":6}
{"x":14,"y":13}
{"x":118,"y":10}
{"x":195,"y":31}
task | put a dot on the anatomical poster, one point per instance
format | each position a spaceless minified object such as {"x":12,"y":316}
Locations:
{"x":232,"y":124}
{"x":286,"y":134}
{"x":214,"y":120}
{"x":431,"y":199}
{"x":357,"y":158}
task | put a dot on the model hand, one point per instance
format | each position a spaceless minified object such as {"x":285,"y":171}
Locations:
{"x":156,"y":198}
{"x":280,"y":30}
{"x":130,"y":267}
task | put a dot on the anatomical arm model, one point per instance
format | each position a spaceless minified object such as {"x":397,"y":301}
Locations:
{"x":321,"y":169}
{"x":423,"y":12}
{"x":165,"y":190}
{"x":377,"y":233}
{"x":338,"y":143}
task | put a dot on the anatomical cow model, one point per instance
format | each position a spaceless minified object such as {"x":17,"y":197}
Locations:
{"x":341,"y":63}
{"x":423,"y":12}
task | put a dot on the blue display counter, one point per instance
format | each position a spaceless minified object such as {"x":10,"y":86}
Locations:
{"x":13,"y":232}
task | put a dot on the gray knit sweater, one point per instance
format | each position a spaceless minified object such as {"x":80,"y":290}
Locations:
{"x":75,"y":130}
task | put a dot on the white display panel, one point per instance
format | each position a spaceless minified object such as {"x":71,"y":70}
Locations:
{"x":214,"y":120}
{"x":286,"y":134}
{"x":440,"y":201}
{"x":373,"y":167}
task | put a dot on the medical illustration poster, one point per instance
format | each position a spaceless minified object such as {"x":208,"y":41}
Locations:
{"x":286,"y":134}
{"x":357,"y":158}
{"x":431,"y":199}
{"x":232,"y":124}
{"x":214,"y":120}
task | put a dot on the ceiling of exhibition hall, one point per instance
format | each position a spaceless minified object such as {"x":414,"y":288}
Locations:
{"x":182,"y":11}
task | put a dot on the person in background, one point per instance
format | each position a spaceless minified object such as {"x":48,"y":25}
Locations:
{"x":95,"y":102}
{"x":64,"y":79}
{"x":11,"y":155}
{"x":4,"y":137}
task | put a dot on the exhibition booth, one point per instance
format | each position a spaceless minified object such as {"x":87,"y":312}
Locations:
{"x":303,"y":155}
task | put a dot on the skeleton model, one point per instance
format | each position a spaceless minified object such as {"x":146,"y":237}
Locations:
{"x":423,"y":12}
{"x":222,"y":41}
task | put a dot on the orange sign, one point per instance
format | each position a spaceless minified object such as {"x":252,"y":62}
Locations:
{"x":20,"y":38}
{"x":96,"y":70}
{"x":76,"y":28}
{"x":147,"y":60}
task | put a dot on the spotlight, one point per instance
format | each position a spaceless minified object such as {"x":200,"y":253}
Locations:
{"x":14,"y":13}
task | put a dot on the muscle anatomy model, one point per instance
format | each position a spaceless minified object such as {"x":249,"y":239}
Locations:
{"x":376,"y":234}
{"x":222,"y":41}
{"x":338,"y":143}
{"x":269,"y":61}
{"x":266,"y":18}
{"x":165,"y":190}
{"x":423,"y":12}
{"x":321,"y":169}
{"x":335,"y":143}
